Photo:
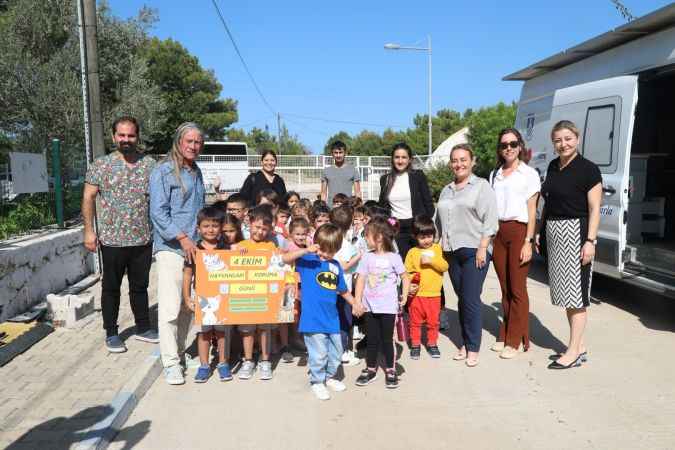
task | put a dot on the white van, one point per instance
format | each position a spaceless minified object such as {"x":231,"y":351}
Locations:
{"x":619,"y":89}
{"x":226,"y":161}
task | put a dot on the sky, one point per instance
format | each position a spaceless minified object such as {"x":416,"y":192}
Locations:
{"x":326,"y":60}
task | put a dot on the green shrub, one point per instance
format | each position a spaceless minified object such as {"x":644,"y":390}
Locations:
{"x":438,"y":177}
{"x":35,"y":211}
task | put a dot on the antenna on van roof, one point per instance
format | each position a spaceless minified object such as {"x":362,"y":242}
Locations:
{"x":623,"y":10}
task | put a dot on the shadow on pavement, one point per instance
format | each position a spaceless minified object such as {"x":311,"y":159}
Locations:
{"x":654,"y":311}
{"x":540,"y":335}
{"x":131,"y":331}
{"x":64,"y":432}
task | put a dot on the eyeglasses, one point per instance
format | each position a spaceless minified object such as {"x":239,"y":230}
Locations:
{"x":234,"y":210}
{"x":505,"y":145}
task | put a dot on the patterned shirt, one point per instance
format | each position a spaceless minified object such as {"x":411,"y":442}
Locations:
{"x":122,"y":205}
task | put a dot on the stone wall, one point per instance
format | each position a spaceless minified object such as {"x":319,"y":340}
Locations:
{"x":32,"y":268}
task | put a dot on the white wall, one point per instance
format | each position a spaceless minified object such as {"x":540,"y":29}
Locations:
{"x":32,"y":268}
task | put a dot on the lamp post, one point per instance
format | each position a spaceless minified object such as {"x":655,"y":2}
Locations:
{"x":423,"y":49}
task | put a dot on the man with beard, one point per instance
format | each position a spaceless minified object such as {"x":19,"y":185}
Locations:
{"x":116,"y":189}
{"x":341,"y":177}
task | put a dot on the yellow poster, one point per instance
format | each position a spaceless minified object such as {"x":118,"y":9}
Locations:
{"x":234,"y":288}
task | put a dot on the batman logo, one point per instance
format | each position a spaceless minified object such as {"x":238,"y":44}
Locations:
{"x":327,"y":280}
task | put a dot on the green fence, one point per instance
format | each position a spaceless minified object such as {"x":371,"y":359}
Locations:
{"x":24,"y":214}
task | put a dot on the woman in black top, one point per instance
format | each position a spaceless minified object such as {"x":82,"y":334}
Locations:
{"x":572,"y":194}
{"x":263,"y":179}
{"x":404,"y":192}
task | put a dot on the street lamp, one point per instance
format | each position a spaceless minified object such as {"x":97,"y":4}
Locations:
{"x":393,"y":46}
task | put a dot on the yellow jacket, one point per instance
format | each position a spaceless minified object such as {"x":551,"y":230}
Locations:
{"x":431,"y":275}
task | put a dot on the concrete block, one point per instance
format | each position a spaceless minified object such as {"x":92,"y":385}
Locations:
{"x":67,"y":310}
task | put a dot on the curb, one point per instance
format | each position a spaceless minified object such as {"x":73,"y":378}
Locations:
{"x":103,"y":432}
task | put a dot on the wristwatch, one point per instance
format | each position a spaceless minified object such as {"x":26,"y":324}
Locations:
{"x":529,"y":240}
{"x":592,"y":241}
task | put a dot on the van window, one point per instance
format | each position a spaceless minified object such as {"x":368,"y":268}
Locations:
{"x":599,"y":135}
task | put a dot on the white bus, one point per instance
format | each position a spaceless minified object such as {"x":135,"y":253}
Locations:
{"x":227,"y":161}
{"x":619,"y":89}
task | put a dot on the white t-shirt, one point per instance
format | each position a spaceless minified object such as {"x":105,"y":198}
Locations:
{"x":344,"y":255}
{"x":513,"y":191}
{"x":400,"y":197}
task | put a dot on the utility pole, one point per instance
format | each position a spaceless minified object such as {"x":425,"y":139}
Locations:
{"x":93,"y":122}
{"x":88,"y":27}
{"x":279,"y":131}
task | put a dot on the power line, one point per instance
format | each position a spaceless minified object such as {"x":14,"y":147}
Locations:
{"x":255,"y":121}
{"x":241,"y":58}
{"x":348,"y":122}
{"x":306,"y":128}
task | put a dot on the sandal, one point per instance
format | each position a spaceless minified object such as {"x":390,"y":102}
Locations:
{"x":461,"y":355}
{"x":473,"y":362}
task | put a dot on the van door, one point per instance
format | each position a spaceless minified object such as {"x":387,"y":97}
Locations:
{"x":604,"y":111}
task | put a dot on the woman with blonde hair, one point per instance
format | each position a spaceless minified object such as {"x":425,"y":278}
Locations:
{"x":572,"y":193}
{"x":466,"y":220}
{"x":176,"y":196}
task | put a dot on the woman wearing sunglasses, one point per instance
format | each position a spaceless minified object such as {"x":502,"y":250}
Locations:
{"x":517,"y":188}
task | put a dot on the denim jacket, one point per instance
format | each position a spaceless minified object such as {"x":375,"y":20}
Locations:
{"x":173,"y":211}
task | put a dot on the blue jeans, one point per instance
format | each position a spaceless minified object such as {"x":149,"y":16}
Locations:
{"x":325,"y":353}
{"x":467,"y":282}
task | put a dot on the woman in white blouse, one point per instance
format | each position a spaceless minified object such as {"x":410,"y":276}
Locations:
{"x":404,"y":192}
{"x":517,"y":188}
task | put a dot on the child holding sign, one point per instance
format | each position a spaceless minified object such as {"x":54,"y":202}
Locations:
{"x":260,"y":222}
{"x":209,"y":224}
{"x":322,"y":281}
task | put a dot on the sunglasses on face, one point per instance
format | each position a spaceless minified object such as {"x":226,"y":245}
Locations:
{"x":505,"y":145}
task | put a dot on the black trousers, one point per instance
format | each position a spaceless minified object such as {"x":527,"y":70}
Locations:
{"x":405,"y":240}
{"x":380,"y":334}
{"x":135,"y":261}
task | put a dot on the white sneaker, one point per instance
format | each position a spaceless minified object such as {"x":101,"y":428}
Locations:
{"x":265,"y":368}
{"x":320,"y":391}
{"x":335,"y":385}
{"x":246,"y":370}
{"x":350,"y":359}
{"x":174,"y":375}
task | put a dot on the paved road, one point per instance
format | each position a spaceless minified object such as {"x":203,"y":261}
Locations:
{"x":624,"y":397}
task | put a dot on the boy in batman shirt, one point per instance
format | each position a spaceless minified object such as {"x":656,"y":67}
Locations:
{"x":322,"y":280}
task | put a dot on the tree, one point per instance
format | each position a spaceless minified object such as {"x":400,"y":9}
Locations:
{"x":259,"y":139}
{"x":40,"y":87}
{"x":445,"y":123}
{"x":484,"y":126}
{"x":339,"y":136}
{"x":191,"y":93}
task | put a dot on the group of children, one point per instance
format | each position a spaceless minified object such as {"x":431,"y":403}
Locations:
{"x":351,"y":280}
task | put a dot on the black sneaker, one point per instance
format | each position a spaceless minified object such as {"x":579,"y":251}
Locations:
{"x":366,"y":377}
{"x":414,"y":353}
{"x":391,"y":380}
{"x":433,"y":351}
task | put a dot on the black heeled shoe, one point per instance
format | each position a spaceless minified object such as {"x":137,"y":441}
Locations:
{"x":556,"y":365}
{"x":582,"y":355}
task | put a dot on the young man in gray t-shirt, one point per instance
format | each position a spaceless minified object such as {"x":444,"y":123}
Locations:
{"x":341,"y":177}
